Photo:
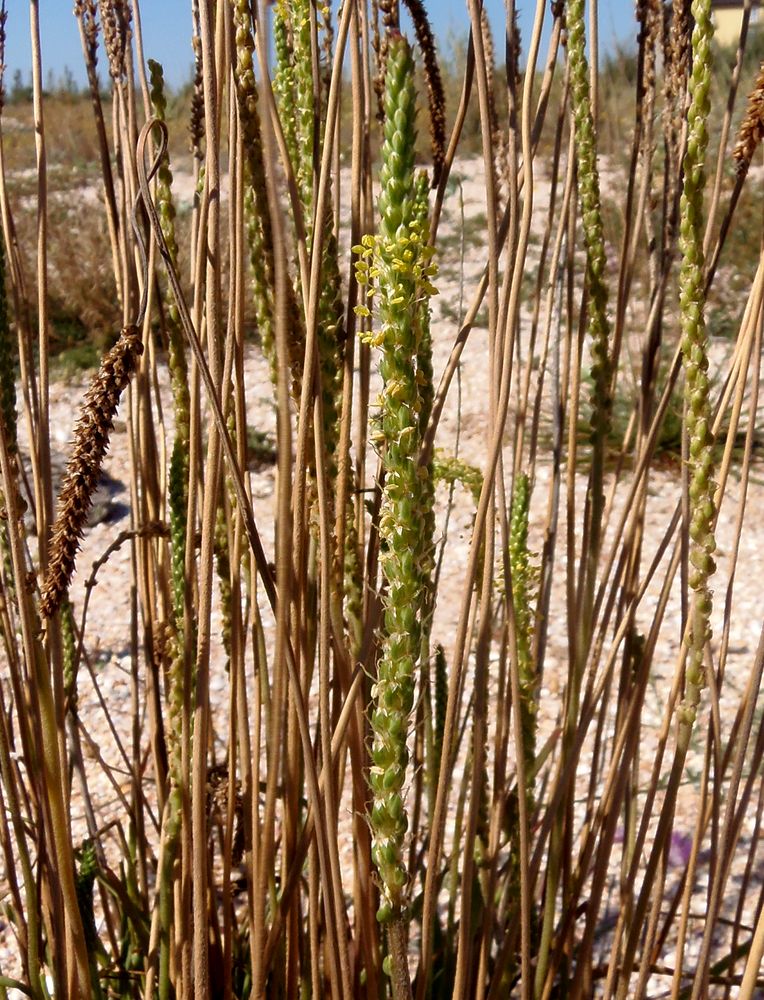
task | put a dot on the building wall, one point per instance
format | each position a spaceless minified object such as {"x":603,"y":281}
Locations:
{"x":728,"y":21}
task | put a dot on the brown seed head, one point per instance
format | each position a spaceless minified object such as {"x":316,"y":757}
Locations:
{"x":115,"y":19}
{"x":87,"y":12}
{"x":390,"y":14}
{"x":91,"y":440}
{"x":196,"y":124}
{"x":3,"y":18}
{"x":752,"y":128}
{"x":390,"y":22}
{"x":677,"y":48}
{"x":498,"y":144}
{"x":435,"y":95}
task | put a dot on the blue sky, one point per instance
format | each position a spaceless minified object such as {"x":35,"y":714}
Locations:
{"x":167,"y":31}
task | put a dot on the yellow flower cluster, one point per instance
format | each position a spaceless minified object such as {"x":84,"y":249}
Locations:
{"x":404,"y":267}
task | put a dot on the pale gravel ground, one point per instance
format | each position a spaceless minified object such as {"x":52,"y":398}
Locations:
{"x":108,"y":618}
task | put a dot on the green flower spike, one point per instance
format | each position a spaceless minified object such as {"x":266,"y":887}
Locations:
{"x":256,"y":212}
{"x":695,"y":352}
{"x":7,"y":400}
{"x":303,"y":116}
{"x":523,"y":578}
{"x":591,"y":214}
{"x":395,"y":267}
{"x":178,"y":365}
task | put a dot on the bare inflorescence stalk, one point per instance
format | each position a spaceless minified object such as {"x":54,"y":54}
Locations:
{"x":396,"y":265}
{"x":695,"y":352}
{"x":752,"y":127}
{"x":89,"y":446}
{"x":591,"y":212}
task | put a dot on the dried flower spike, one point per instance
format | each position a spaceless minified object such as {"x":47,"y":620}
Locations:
{"x":3,"y":19}
{"x":87,"y":12}
{"x":752,"y":128}
{"x":91,"y":440}
{"x":196,"y":121}
{"x":7,"y":360}
{"x":116,"y":17}
{"x":435,"y":94}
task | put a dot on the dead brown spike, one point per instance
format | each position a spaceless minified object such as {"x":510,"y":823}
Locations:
{"x":651,"y":22}
{"x":677,"y":42}
{"x":390,"y":15}
{"x":435,"y":95}
{"x":87,"y":12}
{"x":752,"y":127}
{"x":196,"y":125}
{"x":498,"y":146}
{"x":390,"y":22}
{"x":89,"y":446}
{"x":3,"y":18}
{"x":115,"y":21}
{"x":379,"y":72}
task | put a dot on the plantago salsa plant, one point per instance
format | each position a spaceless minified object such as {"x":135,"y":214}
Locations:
{"x":356,"y":620}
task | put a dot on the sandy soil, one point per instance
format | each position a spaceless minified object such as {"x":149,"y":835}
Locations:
{"x":465,"y":417}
